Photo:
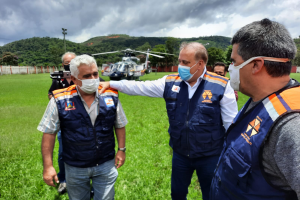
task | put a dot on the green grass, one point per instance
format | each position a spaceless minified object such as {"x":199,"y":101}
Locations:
{"x":147,"y":170}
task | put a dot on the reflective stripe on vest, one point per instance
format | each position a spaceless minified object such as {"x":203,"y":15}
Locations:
{"x":239,"y":173}
{"x":85,"y":145}
{"x":196,"y":128}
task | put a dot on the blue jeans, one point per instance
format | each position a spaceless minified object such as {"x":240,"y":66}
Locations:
{"x":61,"y":174}
{"x":103,"y":179}
{"x":182,"y":170}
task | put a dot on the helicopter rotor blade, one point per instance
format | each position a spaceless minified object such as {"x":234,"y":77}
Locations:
{"x":162,"y":53}
{"x":105,"y":53}
{"x":150,"y":54}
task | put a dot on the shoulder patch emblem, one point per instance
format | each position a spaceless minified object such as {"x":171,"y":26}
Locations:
{"x":69,"y":105}
{"x":175,"y":88}
{"x":109,"y":101}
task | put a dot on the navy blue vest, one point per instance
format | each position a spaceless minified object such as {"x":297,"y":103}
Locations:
{"x":196,"y":128}
{"x":239,"y":173}
{"x":85,"y":145}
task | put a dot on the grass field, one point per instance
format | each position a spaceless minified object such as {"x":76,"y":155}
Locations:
{"x":147,"y":170}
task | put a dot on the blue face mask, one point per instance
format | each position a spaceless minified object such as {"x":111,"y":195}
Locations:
{"x":184,"y":72}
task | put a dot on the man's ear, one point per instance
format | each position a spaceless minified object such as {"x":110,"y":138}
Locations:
{"x":200,"y":63}
{"x":73,"y":78}
{"x":258,"y":65}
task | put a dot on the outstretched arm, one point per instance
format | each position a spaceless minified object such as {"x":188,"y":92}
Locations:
{"x":143,"y":88}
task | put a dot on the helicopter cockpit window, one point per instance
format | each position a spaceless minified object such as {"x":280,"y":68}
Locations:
{"x":121,"y":68}
{"x":126,"y":67}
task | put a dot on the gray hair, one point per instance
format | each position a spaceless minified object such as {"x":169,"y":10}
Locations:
{"x":200,"y":50}
{"x":71,"y":53}
{"x":266,"y":38}
{"x":81,"y":60}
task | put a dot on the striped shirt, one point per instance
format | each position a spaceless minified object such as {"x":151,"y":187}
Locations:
{"x":50,"y":121}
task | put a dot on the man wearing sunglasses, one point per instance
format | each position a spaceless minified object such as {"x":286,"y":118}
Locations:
{"x":260,"y":159}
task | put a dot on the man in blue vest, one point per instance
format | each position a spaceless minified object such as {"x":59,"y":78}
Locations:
{"x":260,"y":159}
{"x":200,"y":106}
{"x":86,"y":119}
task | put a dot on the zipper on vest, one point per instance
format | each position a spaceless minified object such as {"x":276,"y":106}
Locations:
{"x":187,"y":128}
{"x":87,"y":128}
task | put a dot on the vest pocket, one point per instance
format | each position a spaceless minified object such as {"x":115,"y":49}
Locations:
{"x":171,"y":109}
{"x":107,"y":125}
{"x":175,"y":135}
{"x":78,"y":151}
{"x":235,"y":170}
{"x":207,"y":115}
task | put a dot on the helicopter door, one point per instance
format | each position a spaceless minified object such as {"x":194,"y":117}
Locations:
{"x":129,"y":68}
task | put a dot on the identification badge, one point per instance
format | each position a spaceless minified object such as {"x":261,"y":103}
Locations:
{"x":175,"y":88}
{"x":109,"y":102}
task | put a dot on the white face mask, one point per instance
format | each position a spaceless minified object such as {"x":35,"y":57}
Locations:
{"x":89,"y":86}
{"x":234,"y":71}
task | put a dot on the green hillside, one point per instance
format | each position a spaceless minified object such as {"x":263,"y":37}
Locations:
{"x":47,"y":51}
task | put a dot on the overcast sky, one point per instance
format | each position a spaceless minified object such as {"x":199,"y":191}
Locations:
{"x":21,"y":19}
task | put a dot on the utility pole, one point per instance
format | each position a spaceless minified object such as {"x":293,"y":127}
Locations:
{"x":64,"y":33}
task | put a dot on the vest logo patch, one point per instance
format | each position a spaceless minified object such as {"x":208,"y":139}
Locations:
{"x":175,"y":88}
{"x":207,"y":95}
{"x":253,"y":129}
{"x":109,"y":102}
{"x":69,"y":105}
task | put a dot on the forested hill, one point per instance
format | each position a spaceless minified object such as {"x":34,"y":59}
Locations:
{"x":125,"y":41}
{"x":47,"y":51}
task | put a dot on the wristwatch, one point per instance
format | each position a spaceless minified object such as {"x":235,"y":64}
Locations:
{"x":122,"y":149}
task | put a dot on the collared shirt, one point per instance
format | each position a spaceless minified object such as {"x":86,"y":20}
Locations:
{"x":156,"y":88}
{"x":50,"y":122}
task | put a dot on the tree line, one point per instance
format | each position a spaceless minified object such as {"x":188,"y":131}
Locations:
{"x":47,"y":51}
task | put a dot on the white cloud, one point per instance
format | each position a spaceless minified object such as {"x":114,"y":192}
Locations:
{"x":21,"y":19}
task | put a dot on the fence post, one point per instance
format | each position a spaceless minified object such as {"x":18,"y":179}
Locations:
{"x":10,"y":70}
{"x":34,"y":69}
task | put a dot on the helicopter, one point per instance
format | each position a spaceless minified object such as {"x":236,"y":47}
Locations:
{"x":128,"y":68}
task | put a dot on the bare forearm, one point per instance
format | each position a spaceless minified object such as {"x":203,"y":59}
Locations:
{"x":121,"y":137}
{"x":48,"y":142}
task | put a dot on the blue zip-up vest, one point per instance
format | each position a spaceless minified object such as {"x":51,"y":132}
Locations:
{"x":196,"y":128}
{"x":239,"y":173}
{"x":85,"y":145}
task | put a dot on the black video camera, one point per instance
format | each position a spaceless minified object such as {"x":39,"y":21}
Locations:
{"x":57,"y":76}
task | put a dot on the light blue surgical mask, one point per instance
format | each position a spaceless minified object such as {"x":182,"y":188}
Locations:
{"x":184,"y":72}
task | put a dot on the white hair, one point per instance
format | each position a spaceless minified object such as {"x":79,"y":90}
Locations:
{"x":81,"y":60}
{"x":71,"y":53}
